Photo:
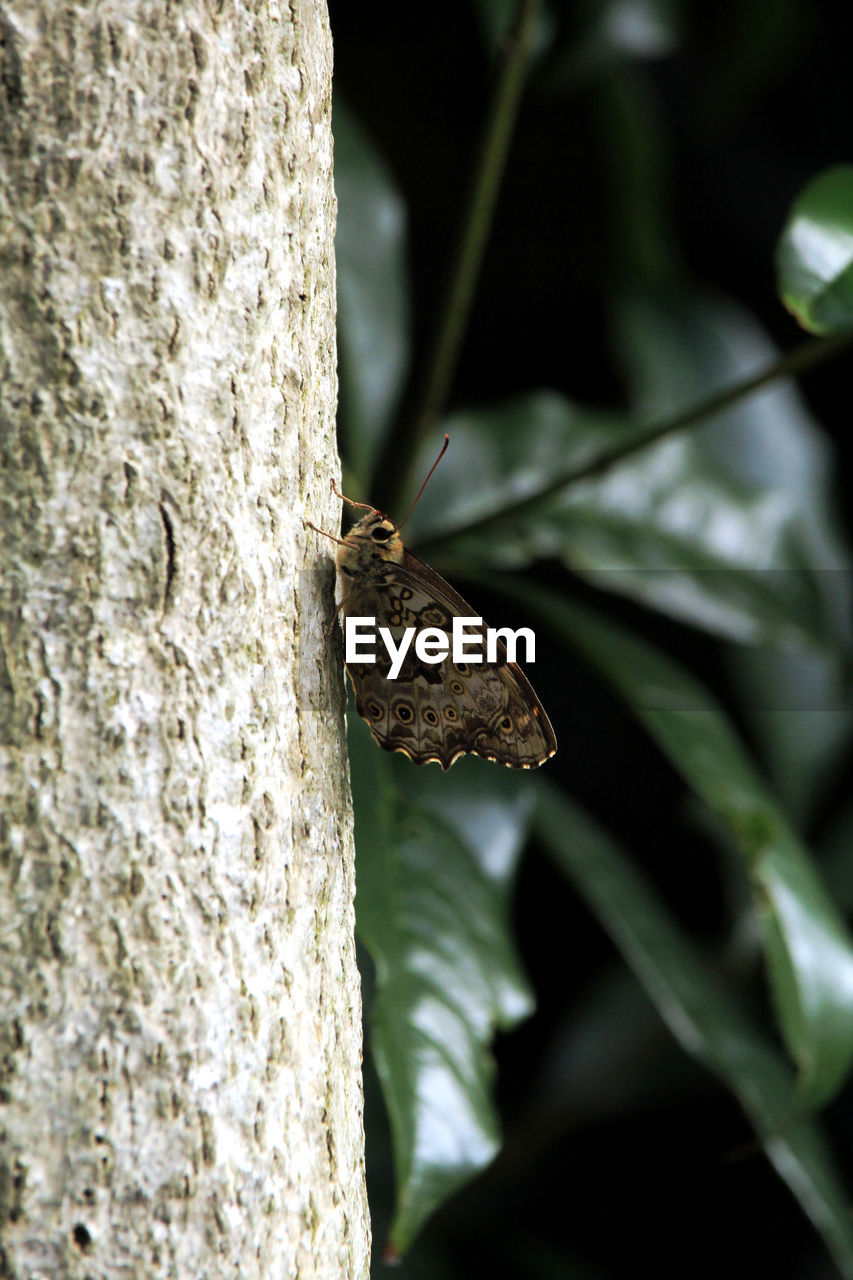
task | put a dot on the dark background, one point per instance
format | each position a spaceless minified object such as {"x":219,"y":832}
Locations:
{"x":655,"y":1164}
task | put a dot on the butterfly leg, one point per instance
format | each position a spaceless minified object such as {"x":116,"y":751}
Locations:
{"x":363,"y":506}
{"x":340,"y":541}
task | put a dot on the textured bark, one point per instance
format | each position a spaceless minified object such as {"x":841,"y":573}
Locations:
{"x":179,"y":1004}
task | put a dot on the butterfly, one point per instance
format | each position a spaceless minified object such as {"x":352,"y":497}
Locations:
{"x":431,"y":712}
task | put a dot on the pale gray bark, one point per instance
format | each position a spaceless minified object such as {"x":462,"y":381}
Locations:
{"x":179,"y":1004}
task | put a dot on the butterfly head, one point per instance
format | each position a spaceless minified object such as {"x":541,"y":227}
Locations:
{"x":374,"y":537}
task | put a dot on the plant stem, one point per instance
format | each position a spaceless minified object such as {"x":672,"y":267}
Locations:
{"x":431,"y":389}
{"x":798,"y":361}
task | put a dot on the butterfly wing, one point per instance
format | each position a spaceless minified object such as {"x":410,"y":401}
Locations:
{"x":439,"y":711}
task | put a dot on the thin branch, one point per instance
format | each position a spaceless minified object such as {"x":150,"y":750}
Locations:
{"x":798,"y":361}
{"x":430,"y":392}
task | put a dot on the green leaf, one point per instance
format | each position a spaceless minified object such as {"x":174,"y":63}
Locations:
{"x":435,"y":859}
{"x":373,"y":328}
{"x":814,"y":258}
{"x":638,"y":29}
{"x":807,"y":947}
{"x":702,"y":1016}
{"x":500,"y":457}
{"x":687,"y":526}
{"x":765,"y":449}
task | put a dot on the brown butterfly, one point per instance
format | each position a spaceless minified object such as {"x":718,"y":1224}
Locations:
{"x":431,"y":711}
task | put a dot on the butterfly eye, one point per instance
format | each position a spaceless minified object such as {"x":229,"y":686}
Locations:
{"x":430,"y":716}
{"x":381,"y":533}
{"x":374,"y":710}
{"x":450,"y":713}
{"x":506,"y":724}
{"x":404,"y":712}
{"x":457,"y":688}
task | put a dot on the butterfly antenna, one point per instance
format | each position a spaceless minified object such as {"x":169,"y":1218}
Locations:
{"x":426,"y":482}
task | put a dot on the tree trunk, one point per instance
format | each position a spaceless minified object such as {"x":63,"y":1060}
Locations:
{"x":179,"y":1005}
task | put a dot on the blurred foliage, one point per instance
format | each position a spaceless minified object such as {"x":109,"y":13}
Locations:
{"x":436,"y":859}
{"x":634,"y":472}
{"x":815,"y":255}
